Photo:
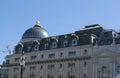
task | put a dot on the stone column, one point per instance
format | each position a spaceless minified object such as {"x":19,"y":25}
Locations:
{"x":113,"y":72}
{"x":95,"y":70}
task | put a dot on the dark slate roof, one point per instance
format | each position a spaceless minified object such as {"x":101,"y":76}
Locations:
{"x":35,"y":32}
{"x":93,"y":34}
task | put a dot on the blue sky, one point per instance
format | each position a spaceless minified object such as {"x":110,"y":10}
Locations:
{"x":56,"y":16}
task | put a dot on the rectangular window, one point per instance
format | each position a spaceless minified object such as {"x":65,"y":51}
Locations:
{"x":41,"y":67}
{"x":65,"y":43}
{"x":71,"y":65}
{"x":7,"y":61}
{"x":42,"y":56}
{"x":29,"y":48}
{"x":46,"y":46}
{"x":16,"y":69}
{"x":85,"y":64}
{"x":6,"y":71}
{"x":51,"y":55}
{"x":33,"y":57}
{"x":32,"y":68}
{"x":61,"y":54}
{"x":60,"y":65}
{"x":17,"y":59}
{"x":54,"y":45}
{"x":51,"y":66}
{"x":85,"y":52}
{"x":74,"y":42}
{"x":71,"y":53}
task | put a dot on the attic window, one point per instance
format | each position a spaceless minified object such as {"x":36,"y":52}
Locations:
{"x":54,"y":45}
{"x":19,"y":49}
{"x":36,"y":47}
{"x":46,"y":46}
{"x":74,"y":42}
{"x":65,"y":43}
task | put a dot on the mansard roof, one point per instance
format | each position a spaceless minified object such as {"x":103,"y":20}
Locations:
{"x":92,"y":34}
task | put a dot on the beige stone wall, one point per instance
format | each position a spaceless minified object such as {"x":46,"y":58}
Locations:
{"x":101,"y":57}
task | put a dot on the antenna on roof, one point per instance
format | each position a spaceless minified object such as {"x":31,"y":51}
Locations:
{"x":8,"y":49}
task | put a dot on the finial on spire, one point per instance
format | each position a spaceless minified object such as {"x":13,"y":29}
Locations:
{"x":37,"y":23}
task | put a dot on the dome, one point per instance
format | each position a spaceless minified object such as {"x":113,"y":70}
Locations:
{"x":35,"y":32}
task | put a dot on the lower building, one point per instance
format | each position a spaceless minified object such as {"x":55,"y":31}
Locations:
{"x":92,"y":52}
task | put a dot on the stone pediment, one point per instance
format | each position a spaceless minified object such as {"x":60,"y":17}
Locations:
{"x":106,"y":54}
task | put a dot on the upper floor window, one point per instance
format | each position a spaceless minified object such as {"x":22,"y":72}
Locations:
{"x":40,"y":76}
{"x":29,"y":48}
{"x":51,"y":66}
{"x":36,"y":47}
{"x":60,"y":76}
{"x":71,"y":53}
{"x":71,"y":65}
{"x":74,"y":42}
{"x":60,"y":65}
{"x":7,"y":61}
{"x":61,"y":54}
{"x":54,"y":45}
{"x":15,"y":76}
{"x":17,"y":59}
{"x":31,"y":76}
{"x":65,"y":43}
{"x":41,"y":67}
{"x":32,"y":68}
{"x":42,"y":56}
{"x":16,"y":69}
{"x":85,"y":52}
{"x":85,"y":63}
{"x":51,"y":55}
{"x":20,"y":49}
{"x":46,"y":46}
{"x":5,"y":70}
{"x":84,"y":76}
{"x":33,"y":57}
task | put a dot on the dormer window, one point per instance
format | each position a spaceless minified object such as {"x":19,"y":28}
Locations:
{"x":29,"y":48}
{"x":74,"y":42}
{"x":46,"y":46}
{"x":54,"y":45}
{"x":65,"y":43}
{"x":20,"y":49}
{"x":36,"y":47}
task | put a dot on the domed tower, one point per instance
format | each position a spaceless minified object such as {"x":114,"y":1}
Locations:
{"x":36,"y":32}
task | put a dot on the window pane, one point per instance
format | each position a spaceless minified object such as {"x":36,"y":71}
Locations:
{"x":51,"y":55}
{"x":71,"y":53}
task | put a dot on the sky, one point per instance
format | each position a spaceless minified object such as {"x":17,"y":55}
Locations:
{"x":56,"y":16}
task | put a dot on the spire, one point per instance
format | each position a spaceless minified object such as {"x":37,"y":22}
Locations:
{"x":37,"y":23}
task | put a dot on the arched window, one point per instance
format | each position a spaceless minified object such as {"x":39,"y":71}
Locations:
{"x":19,"y":48}
{"x":36,"y":47}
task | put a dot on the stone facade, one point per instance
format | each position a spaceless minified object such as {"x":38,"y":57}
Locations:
{"x":91,"y":52}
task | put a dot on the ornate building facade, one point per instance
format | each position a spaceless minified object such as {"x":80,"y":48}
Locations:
{"x":92,"y":52}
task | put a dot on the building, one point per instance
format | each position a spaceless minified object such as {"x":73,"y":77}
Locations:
{"x":91,"y":52}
